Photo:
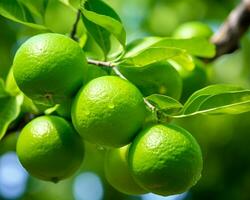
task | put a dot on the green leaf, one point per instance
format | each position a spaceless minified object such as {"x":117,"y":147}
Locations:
{"x":193,"y":46}
{"x":100,"y":21}
{"x":65,"y":2}
{"x":164,"y":103}
{"x":68,"y":4}
{"x":217,"y":99}
{"x":3,"y":92}
{"x":9,"y":111}
{"x":200,"y":47}
{"x":10,"y":107}
{"x":15,"y":11}
{"x":184,"y":60}
{"x":227,"y":103}
{"x":98,"y":35}
{"x":37,"y":7}
{"x":139,"y":45}
{"x":208,"y":91}
{"x":152,"y":55}
{"x":51,"y":110}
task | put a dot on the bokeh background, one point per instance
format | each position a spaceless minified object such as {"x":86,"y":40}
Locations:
{"x":225,"y":140}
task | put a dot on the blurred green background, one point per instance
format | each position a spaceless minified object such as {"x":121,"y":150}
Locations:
{"x":224,"y":139}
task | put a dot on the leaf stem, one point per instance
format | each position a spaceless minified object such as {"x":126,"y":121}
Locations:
{"x":74,"y":29}
{"x":101,"y":63}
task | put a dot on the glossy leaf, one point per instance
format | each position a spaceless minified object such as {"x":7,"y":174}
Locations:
{"x":217,"y":99}
{"x":164,"y":103}
{"x":209,"y":91}
{"x":193,"y":46}
{"x":10,"y":107}
{"x":101,"y":21}
{"x":15,"y":11}
{"x":3,"y":93}
{"x":200,"y":47}
{"x":37,"y":7}
{"x":227,"y":103}
{"x":184,"y":60}
{"x":152,"y":55}
{"x":139,"y":45}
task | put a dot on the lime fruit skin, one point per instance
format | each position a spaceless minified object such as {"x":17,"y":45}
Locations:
{"x":118,"y":173}
{"x":165,"y":159}
{"x":49,"y":148}
{"x":156,"y":78}
{"x":108,"y":111}
{"x":49,"y":68}
{"x":193,"y":29}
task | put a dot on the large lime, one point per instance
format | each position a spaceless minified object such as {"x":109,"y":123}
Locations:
{"x":49,"y":68}
{"x":165,"y":159}
{"x":108,"y":111}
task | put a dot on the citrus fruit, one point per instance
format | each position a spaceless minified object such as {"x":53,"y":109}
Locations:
{"x":165,"y":159}
{"x":49,"y":148}
{"x":49,"y":68}
{"x":156,"y":78}
{"x":108,"y":111}
{"x":117,"y":172}
{"x":193,"y":29}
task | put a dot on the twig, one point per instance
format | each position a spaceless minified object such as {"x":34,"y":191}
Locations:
{"x":117,"y":72}
{"x":101,"y":63}
{"x":228,"y":37}
{"x":74,"y":29}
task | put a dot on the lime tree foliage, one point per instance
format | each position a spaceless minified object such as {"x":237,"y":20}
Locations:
{"x":91,"y":85}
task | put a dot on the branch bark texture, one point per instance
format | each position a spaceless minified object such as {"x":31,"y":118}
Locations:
{"x":228,"y":37}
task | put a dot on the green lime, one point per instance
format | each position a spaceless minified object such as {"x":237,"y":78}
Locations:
{"x":156,"y":78}
{"x":49,"y":68}
{"x":49,"y":148}
{"x":165,"y":159}
{"x":108,"y":111}
{"x":193,"y":29}
{"x":118,"y":174}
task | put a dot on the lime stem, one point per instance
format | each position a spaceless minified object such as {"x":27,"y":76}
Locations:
{"x":74,"y":29}
{"x":101,"y":63}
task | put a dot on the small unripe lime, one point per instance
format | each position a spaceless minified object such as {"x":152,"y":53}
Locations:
{"x":49,"y":148}
{"x":118,"y":173}
{"x":193,"y":29}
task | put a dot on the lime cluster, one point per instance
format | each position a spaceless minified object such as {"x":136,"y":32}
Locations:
{"x":51,"y":71}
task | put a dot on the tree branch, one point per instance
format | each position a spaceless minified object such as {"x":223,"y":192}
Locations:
{"x":228,"y":37}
